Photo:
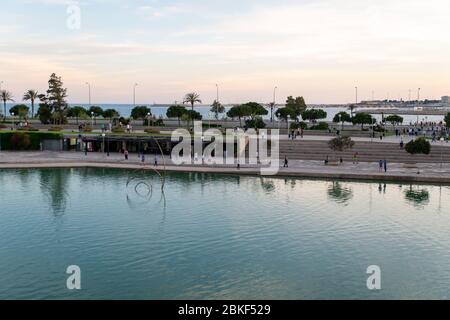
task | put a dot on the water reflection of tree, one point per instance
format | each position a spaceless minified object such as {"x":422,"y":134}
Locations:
{"x":417,"y":196}
{"x":339,"y":193}
{"x":53,"y":184}
{"x":267,"y":185}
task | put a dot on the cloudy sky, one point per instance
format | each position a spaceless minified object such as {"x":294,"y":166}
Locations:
{"x":320,"y":49}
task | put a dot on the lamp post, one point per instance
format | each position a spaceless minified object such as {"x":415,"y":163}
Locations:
{"x":92,"y":119}
{"x":89,"y":91}
{"x":418,"y":103}
{"x":134,"y":94}
{"x":103,"y":145}
{"x":356,"y":93}
{"x":273,"y":103}
{"x":442,"y":146}
{"x":217,"y":96}
{"x":13,"y":123}
{"x":148,"y":119}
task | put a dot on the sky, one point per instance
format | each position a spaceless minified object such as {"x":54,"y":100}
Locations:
{"x":319,"y":49}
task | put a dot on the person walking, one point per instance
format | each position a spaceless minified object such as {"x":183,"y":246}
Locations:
{"x":126,"y":154}
{"x":385,"y":165}
{"x":286,"y":162}
{"x":143,"y":159}
{"x":156,"y":161}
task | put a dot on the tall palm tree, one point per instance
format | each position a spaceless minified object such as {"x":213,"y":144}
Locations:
{"x":192,"y":98}
{"x":5,"y":96}
{"x":31,"y":95}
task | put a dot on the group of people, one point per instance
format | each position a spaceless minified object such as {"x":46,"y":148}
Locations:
{"x":293,"y":134}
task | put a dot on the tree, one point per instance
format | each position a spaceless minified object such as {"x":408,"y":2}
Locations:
{"x":6,"y":96}
{"x":285,"y":113}
{"x":314,"y":114}
{"x":31,"y":95}
{"x":351,"y":107}
{"x":254,"y":110}
{"x":56,"y":98}
{"x":362,"y":119}
{"x":194,"y":115}
{"x":44,"y":113}
{"x":95,"y":112}
{"x":394,"y":120}
{"x":111,"y":114}
{"x":217,"y":108}
{"x":140,"y":112}
{"x":342,"y":117}
{"x":77,"y":112}
{"x":298,"y":105}
{"x":418,"y":146}
{"x":20,"y":110}
{"x":447,"y":120}
{"x":176,"y":111}
{"x":192,"y":98}
{"x":340,"y":144}
{"x":239,"y":111}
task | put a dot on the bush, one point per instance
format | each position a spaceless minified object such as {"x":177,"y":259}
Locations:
{"x":212,"y":125}
{"x":55,"y":129}
{"x":28,"y":129}
{"x":299,"y":125}
{"x":257,"y":123}
{"x":320,"y":126}
{"x":152,"y":131}
{"x":118,"y":130}
{"x":86,"y":129}
{"x":20,"y":141}
{"x":420,"y":145}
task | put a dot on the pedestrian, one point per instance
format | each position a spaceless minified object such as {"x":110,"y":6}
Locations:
{"x":126,"y":154}
{"x":402,"y":144}
{"x":385,"y":165}
{"x":143,"y":159}
{"x":286,"y":162}
{"x":381,"y":165}
{"x":156,"y":161}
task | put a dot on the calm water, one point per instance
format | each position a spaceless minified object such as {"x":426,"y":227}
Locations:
{"x":219,"y":237}
{"x":125,"y":110}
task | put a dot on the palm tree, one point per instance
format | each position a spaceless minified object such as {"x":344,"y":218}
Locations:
{"x":31,"y":95}
{"x":192,"y":98}
{"x":6,"y":96}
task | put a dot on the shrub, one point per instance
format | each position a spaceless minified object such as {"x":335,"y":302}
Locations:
{"x":55,"y":129}
{"x":20,"y":141}
{"x":256,"y":123}
{"x":420,"y":145}
{"x":118,"y":130}
{"x":34,"y":137}
{"x":86,"y":129}
{"x":299,"y":125}
{"x":152,"y":131}
{"x":320,"y":126}
{"x":28,"y":129}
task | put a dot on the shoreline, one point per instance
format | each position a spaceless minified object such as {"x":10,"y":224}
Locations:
{"x":248,"y":171}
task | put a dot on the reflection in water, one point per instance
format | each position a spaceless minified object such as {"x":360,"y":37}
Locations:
{"x":53,"y":185}
{"x":267,"y":185}
{"x":339,"y":193}
{"x":417,"y":196}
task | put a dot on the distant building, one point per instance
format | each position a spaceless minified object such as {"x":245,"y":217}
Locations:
{"x":445,"y":99}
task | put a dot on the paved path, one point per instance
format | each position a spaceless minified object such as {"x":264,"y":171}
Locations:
{"x":430,"y":173}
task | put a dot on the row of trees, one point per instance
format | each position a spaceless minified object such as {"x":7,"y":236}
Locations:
{"x":364,"y":118}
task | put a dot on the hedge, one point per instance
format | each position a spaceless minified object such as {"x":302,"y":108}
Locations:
{"x":35,"y":139}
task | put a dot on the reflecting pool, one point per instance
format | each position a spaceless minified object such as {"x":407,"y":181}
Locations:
{"x":218,"y":237}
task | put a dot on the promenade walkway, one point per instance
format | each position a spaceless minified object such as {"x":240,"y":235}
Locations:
{"x":429,"y":172}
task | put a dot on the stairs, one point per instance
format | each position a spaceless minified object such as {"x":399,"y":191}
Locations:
{"x":367,"y":152}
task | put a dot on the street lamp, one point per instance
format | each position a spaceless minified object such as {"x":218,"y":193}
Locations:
{"x":14,"y":125}
{"x":92,"y":119}
{"x":134,"y":94}
{"x":356,"y":89}
{"x":148,"y":119}
{"x":89,"y":88}
{"x":442,"y":146}
{"x":217,"y":96}
{"x":273,"y":103}
{"x":103,"y":145}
